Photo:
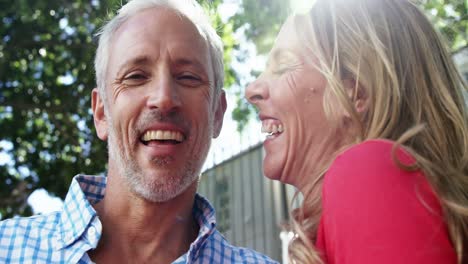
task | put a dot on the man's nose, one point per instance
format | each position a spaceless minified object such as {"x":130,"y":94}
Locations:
{"x":257,"y":91}
{"x":164,"y":94}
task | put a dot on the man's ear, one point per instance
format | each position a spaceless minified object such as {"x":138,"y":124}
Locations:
{"x":219,"y":114}
{"x":357,"y":94}
{"x":99,"y":116}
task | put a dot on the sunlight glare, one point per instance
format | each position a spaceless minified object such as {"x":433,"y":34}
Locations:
{"x":301,"y":6}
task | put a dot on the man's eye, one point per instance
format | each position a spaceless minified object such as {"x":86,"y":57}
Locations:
{"x":188,"y":77}
{"x":134,"y":79}
{"x":136,"y":76}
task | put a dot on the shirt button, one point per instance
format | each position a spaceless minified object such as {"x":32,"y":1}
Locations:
{"x":91,"y":231}
{"x":68,"y":239}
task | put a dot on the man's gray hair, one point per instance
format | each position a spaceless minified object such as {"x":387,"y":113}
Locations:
{"x":188,"y":8}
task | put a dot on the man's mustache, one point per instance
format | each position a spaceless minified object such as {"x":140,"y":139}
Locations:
{"x":154,"y":116}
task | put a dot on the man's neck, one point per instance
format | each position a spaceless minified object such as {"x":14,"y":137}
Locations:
{"x":138,"y":231}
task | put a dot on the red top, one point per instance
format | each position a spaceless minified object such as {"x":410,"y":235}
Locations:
{"x":375,"y":212}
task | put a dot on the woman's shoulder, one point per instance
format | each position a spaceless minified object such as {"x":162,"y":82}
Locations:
{"x":368,"y":175}
{"x":376,"y":149}
{"x":372,"y":208}
{"x":370,"y":157}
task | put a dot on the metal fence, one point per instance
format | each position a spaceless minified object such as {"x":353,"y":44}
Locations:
{"x":250,"y":208}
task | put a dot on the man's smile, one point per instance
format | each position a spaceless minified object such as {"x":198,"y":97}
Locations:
{"x":162,"y":137}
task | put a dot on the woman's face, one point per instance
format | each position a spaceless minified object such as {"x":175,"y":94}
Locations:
{"x":289,"y":96}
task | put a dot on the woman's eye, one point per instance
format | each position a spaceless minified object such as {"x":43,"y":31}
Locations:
{"x":279,"y":71}
{"x":280,"y":68}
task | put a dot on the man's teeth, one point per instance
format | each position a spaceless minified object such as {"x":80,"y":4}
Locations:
{"x":163,"y":135}
{"x":272,"y":129}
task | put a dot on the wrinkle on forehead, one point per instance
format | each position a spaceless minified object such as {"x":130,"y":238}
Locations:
{"x":138,"y":26}
{"x":286,"y":44}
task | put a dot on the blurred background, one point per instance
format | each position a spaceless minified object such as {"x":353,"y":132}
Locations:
{"x":46,"y":130}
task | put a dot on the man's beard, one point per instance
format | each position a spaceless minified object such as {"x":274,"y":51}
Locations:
{"x":164,"y":186}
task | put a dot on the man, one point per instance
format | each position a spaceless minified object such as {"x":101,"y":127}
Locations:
{"x":158,"y":103}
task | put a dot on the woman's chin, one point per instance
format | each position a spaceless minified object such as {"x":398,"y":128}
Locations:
{"x":271,"y":172}
{"x":273,"y":166}
{"x":275,"y":173}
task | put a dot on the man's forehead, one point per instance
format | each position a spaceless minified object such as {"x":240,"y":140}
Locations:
{"x":178,"y":61}
{"x":158,"y":29}
{"x":162,"y":20}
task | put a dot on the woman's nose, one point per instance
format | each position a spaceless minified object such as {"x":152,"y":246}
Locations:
{"x":256,"y":91}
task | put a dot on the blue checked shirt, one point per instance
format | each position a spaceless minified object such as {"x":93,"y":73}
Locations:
{"x":67,"y":235}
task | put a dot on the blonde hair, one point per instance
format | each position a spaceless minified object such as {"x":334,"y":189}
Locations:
{"x":415,"y":96}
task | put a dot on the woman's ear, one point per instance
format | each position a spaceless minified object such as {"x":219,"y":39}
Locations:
{"x":357,"y":94}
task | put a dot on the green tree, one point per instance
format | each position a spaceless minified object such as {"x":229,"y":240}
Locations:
{"x":46,"y":76}
{"x":451,"y":18}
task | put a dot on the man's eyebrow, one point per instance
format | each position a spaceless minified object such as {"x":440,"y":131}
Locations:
{"x":189,"y":62}
{"x":140,"y":60}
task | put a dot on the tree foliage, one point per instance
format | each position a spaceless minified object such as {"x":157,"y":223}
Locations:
{"x":47,"y":134}
{"x":451,"y":18}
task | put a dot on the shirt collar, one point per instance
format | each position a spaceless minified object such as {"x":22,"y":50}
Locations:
{"x":77,"y":212}
{"x":205,"y":215}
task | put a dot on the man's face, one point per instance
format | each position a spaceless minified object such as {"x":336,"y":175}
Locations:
{"x":161,"y":112}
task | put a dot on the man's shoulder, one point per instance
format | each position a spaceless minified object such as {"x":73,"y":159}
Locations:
{"x":20,"y":230}
{"x":221,"y":251}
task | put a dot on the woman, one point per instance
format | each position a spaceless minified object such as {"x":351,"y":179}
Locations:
{"x":366,"y":117}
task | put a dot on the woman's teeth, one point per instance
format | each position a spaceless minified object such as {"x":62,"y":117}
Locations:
{"x":272,"y":129}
